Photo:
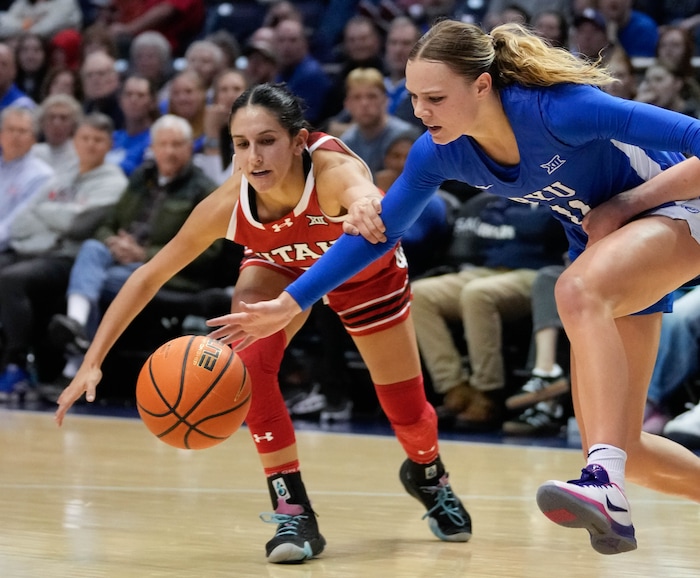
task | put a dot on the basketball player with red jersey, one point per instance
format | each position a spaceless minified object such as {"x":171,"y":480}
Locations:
{"x":285,"y":202}
{"x":293,"y":243}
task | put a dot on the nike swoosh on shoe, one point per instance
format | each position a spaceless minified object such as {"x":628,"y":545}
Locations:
{"x":612,"y":507}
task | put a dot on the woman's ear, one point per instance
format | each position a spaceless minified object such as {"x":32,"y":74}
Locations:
{"x":483,"y":84}
{"x":300,"y":140}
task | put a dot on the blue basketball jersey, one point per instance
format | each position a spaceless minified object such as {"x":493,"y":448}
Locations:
{"x":578,"y":147}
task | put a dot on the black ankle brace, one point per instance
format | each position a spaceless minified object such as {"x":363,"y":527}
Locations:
{"x":287,"y":487}
{"x":427,"y":473}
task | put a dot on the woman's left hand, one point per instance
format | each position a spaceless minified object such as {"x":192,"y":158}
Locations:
{"x":363,"y":219}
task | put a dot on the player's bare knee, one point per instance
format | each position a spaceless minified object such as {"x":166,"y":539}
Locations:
{"x":573,"y":297}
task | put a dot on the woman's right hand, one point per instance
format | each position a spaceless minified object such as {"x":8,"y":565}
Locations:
{"x":85,"y":381}
{"x":253,"y":321}
{"x":363,"y":219}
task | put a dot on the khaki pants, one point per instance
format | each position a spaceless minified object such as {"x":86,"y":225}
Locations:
{"x":481,"y":298}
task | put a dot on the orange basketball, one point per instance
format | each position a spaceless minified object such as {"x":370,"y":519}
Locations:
{"x":193,"y":392}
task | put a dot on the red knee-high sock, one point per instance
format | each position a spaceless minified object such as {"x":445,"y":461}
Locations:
{"x":412,"y":417}
{"x":268,"y":419}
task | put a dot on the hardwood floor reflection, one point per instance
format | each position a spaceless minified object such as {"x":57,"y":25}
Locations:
{"x":102,"y":497}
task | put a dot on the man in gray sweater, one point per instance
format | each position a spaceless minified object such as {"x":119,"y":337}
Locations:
{"x":44,"y":240}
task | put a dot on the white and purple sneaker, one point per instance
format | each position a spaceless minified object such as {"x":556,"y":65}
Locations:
{"x":594,"y":503}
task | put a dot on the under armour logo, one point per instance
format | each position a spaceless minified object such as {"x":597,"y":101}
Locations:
{"x":553,"y":165}
{"x":267,"y":437}
{"x":277,"y":227}
{"x":316,"y":220}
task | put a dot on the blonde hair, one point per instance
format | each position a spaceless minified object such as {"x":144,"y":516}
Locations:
{"x":365,"y":77}
{"x":510,"y":53}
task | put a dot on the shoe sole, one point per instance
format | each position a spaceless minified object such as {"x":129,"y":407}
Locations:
{"x":524,"y":400}
{"x":293,"y":554}
{"x":435,"y":529}
{"x":432,"y":522}
{"x":571,"y":511}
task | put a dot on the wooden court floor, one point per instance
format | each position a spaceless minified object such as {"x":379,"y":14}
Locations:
{"x":101,"y":497}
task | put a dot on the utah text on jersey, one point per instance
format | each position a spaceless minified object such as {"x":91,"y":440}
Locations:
{"x":297,"y":252}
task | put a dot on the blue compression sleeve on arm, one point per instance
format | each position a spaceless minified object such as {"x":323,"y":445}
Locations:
{"x":347,"y":257}
{"x":608,"y":117}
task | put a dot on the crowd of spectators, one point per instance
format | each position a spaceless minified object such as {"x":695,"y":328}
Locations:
{"x":132,"y":61}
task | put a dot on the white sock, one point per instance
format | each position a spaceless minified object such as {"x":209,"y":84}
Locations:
{"x":613,"y":459}
{"x":556,"y":372}
{"x":78,"y":308}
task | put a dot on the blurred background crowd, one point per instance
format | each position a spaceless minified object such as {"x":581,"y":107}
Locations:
{"x":113,"y":125}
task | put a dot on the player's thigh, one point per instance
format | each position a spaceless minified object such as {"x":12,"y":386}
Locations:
{"x":635,"y":266}
{"x":391,"y":355}
{"x":259,"y":283}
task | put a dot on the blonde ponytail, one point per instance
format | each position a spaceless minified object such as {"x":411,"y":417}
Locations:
{"x":524,"y":58}
{"x":511,"y":54}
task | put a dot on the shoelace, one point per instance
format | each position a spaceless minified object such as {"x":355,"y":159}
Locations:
{"x":446,"y":501}
{"x":588,"y":479}
{"x":288,"y":524}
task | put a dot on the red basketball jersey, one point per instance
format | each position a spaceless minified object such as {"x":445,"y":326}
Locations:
{"x":303,"y":235}
{"x":375,"y":299}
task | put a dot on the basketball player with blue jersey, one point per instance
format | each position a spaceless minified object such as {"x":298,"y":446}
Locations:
{"x":507,"y":113}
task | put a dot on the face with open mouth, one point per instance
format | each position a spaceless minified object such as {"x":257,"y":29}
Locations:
{"x":264,"y":149}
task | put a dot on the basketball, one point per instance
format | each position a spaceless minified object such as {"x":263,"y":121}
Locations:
{"x":193,"y":392}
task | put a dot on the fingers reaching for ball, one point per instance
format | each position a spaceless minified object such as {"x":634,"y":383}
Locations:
{"x":84,"y":382}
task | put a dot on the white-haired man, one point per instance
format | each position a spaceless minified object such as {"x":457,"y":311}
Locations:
{"x":22,"y":175}
{"x":159,"y":197}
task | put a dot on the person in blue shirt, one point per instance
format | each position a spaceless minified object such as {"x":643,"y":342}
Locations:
{"x":506,"y":113}
{"x":10,"y":94}
{"x":137,"y":101}
{"x":636,"y":31}
{"x":299,"y":69}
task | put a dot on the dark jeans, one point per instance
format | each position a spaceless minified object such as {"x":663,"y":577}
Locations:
{"x":31,"y":291}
